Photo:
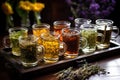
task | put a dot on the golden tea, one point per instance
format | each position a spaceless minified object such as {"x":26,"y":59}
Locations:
{"x":39,"y":29}
{"x":51,"y":48}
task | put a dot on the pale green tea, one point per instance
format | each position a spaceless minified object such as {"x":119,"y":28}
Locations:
{"x":91,"y":36}
{"x":14,"y":35}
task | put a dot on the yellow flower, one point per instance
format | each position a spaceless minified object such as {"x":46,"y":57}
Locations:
{"x":37,"y":6}
{"x":7,"y":8}
{"x":25,"y":5}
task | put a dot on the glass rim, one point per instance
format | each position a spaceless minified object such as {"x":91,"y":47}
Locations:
{"x":17,"y":29}
{"x":70,"y":29}
{"x":77,"y":20}
{"x":61,"y":22}
{"x":104,"y":21}
{"x":89,"y":26}
{"x":30,"y":37}
{"x":41,"y":25}
{"x":50,"y":37}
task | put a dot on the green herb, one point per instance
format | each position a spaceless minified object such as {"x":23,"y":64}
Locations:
{"x":82,"y":73}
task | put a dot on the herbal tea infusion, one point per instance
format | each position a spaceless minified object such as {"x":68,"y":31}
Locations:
{"x":14,"y":34}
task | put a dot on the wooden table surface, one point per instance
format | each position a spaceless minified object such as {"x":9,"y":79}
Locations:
{"x":110,"y":64}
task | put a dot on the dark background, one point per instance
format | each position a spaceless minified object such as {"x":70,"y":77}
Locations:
{"x":56,"y":10}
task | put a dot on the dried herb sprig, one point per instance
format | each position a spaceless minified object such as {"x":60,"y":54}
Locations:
{"x":82,"y":73}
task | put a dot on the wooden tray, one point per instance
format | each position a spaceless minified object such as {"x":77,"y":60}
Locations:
{"x":43,"y":68}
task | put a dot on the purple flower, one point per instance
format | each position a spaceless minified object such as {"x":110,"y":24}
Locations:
{"x":69,"y":2}
{"x":113,"y":2}
{"x":71,"y":18}
{"x":97,"y":13}
{"x":105,"y":13}
{"x":104,"y":1}
{"x":89,"y":1}
{"x":110,"y":8}
{"x":94,"y":6}
{"x":84,"y":14}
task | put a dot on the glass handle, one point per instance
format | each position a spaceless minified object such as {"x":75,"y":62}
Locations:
{"x":40,"y":52}
{"x":6,"y":42}
{"x":83,"y":42}
{"x":114,"y":36}
{"x":62,"y":48}
{"x":100,"y":38}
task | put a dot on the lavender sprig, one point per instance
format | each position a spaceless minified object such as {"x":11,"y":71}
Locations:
{"x":92,"y":9}
{"x":82,"y":73}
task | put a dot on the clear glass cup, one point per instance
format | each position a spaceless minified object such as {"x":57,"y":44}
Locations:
{"x":38,"y":29}
{"x":80,"y":21}
{"x":72,"y":39}
{"x":105,"y":27}
{"x":59,"y":25}
{"x":115,"y":33}
{"x":90,"y":33}
{"x":53,"y":47}
{"x":14,"y":34}
{"x":29,"y":50}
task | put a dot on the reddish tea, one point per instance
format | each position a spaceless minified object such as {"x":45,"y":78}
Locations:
{"x":71,"y":38}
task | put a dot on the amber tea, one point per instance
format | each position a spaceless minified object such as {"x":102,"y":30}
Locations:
{"x":59,"y":25}
{"x":71,"y":37}
{"x":104,"y":27}
{"x":105,"y":42}
{"x":58,"y":28}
